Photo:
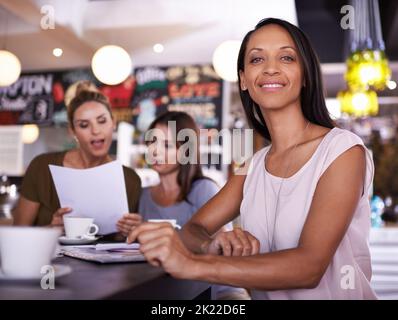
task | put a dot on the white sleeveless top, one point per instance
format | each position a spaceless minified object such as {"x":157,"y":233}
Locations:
{"x":258,"y":205}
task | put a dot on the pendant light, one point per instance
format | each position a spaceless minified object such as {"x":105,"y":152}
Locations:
{"x":111,"y":64}
{"x":224,"y":60}
{"x":10,"y":66}
{"x":367,"y":65}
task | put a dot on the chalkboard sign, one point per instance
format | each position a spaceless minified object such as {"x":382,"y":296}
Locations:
{"x":196,"y":90}
{"x":40,"y":97}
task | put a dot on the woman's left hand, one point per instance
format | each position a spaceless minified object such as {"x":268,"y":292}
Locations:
{"x":162,"y":246}
{"x":128,"y":222}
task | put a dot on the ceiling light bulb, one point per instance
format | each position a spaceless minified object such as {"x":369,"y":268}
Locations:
{"x":111,"y":65}
{"x":58,"y":52}
{"x":158,"y":48}
{"x":225,"y":60}
{"x":10,"y":68}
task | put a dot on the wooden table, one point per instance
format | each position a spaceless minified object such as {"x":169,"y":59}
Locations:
{"x":90,"y":280}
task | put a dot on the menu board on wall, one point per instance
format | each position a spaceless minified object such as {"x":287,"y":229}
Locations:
{"x":29,"y":100}
{"x":196,"y":90}
{"x":39,"y":97}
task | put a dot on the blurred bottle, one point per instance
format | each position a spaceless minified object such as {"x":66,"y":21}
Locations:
{"x":8,"y":197}
{"x":390,"y":212}
{"x":377,"y":207}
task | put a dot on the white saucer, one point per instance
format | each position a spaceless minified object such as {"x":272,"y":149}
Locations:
{"x":60,"y":270}
{"x":65,"y":240}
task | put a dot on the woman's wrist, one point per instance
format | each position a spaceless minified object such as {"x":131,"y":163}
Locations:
{"x":198,"y":267}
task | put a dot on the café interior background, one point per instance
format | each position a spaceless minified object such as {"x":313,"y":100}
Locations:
{"x":171,"y":45}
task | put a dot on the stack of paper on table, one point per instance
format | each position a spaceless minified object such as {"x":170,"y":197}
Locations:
{"x":117,"y":246}
{"x":106,"y":252}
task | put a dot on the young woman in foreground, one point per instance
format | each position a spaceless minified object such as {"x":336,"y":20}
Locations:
{"x":304,"y":201}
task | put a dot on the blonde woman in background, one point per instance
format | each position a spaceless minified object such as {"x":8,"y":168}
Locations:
{"x":92,"y":124}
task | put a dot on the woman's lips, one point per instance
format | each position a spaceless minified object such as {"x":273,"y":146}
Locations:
{"x":272,"y":86}
{"x":98,"y":143}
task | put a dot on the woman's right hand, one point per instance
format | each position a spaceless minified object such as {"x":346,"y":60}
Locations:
{"x":57,"y":220}
{"x":128,"y":222}
{"x":234,"y":243}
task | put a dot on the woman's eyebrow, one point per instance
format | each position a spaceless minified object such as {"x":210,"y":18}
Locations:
{"x":283,"y":47}
{"x":80,"y":120}
{"x":255,"y":49}
{"x":102,"y":115}
{"x":288,"y":47}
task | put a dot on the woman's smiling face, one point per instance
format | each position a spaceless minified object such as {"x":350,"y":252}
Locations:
{"x":272,"y":68}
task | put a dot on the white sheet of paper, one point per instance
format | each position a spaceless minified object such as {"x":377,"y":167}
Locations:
{"x":98,"y":193}
{"x":117,"y":246}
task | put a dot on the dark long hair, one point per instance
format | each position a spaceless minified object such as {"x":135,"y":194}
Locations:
{"x":190,"y":172}
{"x":312,"y":96}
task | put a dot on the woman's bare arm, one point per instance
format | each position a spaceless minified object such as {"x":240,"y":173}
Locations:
{"x":330,"y":215}
{"x":218,"y":211}
{"x":25,"y":212}
{"x":332,"y":208}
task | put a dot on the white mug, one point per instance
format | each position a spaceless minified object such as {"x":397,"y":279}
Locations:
{"x":25,"y":250}
{"x":173,"y":222}
{"x":79,"y":227}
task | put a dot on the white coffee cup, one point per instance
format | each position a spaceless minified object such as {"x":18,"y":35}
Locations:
{"x":173,"y":222}
{"x":25,"y":250}
{"x":79,"y":227}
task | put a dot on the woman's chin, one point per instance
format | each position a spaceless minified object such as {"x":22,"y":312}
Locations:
{"x":273,"y":105}
{"x":99,"y":153}
{"x":163,"y":169}
{"x":156,"y":167}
